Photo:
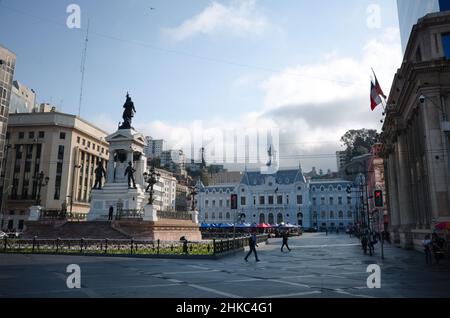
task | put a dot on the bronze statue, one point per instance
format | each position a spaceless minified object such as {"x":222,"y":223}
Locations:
{"x":129,"y":171}
{"x":99,"y":173}
{"x":128,"y":113}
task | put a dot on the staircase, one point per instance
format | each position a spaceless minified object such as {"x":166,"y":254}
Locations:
{"x":74,"y":230}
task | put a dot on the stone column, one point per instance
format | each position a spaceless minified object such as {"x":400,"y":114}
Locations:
{"x":110,"y":172}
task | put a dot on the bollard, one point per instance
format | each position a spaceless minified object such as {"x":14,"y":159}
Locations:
{"x":106,"y":246}
{"x":34,"y":244}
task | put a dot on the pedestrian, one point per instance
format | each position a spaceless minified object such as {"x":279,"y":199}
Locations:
{"x":371,"y":243}
{"x":326,"y":231}
{"x":185,"y":244}
{"x":426,"y":243}
{"x":252,"y":242}
{"x":285,"y":236}
{"x":364,"y":243}
{"x":111,"y":212}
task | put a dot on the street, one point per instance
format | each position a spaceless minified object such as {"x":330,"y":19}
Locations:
{"x":318,"y":266}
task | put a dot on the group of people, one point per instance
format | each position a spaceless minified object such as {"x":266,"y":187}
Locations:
{"x":368,"y":242}
{"x":253,"y":243}
{"x":435,"y":245}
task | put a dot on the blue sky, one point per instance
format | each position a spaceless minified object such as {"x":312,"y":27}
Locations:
{"x":302,"y":66}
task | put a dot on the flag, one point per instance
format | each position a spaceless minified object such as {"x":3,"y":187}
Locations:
{"x":378,"y":87}
{"x":375,"y":99}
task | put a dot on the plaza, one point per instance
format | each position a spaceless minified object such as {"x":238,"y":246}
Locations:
{"x":319,"y":266}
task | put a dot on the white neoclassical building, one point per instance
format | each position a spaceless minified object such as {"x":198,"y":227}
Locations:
{"x":284,"y":196}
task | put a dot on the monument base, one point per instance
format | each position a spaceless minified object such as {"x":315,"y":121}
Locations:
{"x":109,"y":195}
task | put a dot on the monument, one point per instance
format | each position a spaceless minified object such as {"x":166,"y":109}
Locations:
{"x":125,"y":185}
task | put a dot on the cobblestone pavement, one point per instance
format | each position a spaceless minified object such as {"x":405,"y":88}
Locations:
{"x":318,"y":266}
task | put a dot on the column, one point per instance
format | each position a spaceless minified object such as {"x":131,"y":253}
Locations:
{"x":110,"y":172}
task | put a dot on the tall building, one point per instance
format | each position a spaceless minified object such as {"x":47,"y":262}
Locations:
{"x":341,"y":157}
{"x":285,"y":196}
{"x":23,"y":99}
{"x":7,"y":66}
{"x":65,"y":148}
{"x":416,"y":134}
{"x":153,"y":147}
{"x":165,"y":191}
{"x":410,"y":11}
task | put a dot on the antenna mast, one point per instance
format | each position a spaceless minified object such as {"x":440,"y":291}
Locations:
{"x":83,"y":63}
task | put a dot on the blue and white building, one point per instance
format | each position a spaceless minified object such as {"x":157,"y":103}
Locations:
{"x":284,"y":196}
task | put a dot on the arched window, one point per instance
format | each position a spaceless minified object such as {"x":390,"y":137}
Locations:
{"x":322,"y":188}
{"x":206,"y":216}
{"x":341,"y":214}
{"x":349,"y":214}
{"x":339,"y":188}
{"x":262,"y":218}
{"x":299,"y":215}
{"x":279,"y":218}
{"x":314,"y":215}
{"x":331,"y":214}
{"x":213,"y":215}
{"x":271,"y":218}
{"x":228,"y":215}
{"x":330,"y":188}
{"x":220,"y":215}
{"x":323,"y":215}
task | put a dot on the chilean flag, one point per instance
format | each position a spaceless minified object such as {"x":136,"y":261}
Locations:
{"x":375,"y":99}
{"x":378,"y":87}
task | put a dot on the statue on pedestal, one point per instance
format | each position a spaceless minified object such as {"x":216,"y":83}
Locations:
{"x":128,"y":113}
{"x":99,"y":174}
{"x":129,"y":171}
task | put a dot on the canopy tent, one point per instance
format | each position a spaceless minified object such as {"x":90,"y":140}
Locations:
{"x":263,"y":226}
{"x":442,"y":225}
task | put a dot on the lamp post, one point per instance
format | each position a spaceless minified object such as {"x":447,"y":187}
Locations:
{"x":42,"y":181}
{"x":151,"y":178}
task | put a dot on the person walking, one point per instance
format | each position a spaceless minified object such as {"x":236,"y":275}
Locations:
{"x":364,"y":243}
{"x":426,"y":243}
{"x":111,"y":212}
{"x":285,"y":236}
{"x":253,"y":244}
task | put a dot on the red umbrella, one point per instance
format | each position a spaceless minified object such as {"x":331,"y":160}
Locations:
{"x":262,"y":226}
{"x":442,"y":225}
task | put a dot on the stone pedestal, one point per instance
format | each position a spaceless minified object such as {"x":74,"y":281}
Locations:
{"x":125,"y":145}
{"x":35,"y":213}
{"x":150,"y":213}
{"x":194,"y":216}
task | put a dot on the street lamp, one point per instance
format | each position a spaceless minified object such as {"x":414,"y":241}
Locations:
{"x":193,"y":193}
{"x":151,"y":178}
{"x":42,"y":181}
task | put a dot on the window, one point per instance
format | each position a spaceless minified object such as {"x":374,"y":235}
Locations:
{"x":322,"y":188}
{"x":89,"y":144}
{"x":331,"y":200}
{"x":270,"y":199}
{"x":299,"y":199}
{"x":220,"y":203}
{"x":261,"y":200}
{"x":322,"y":200}
{"x":314,"y":201}
{"x":331,"y":215}
{"x":60,"y":152}
{"x":341,"y":214}
{"x":228,"y":215}
{"x":62,"y":135}
{"x":84,"y":142}
{"x":42,"y":134}
{"x":57,"y":187}
{"x":243,"y":201}
{"x":446,"y":45}
{"x":206,"y":215}
{"x":323,"y":215}
{"x":339,"y":200}
{"x":349,"y":200}
{"x":78,"y":139}
{"x":213,"y":203}
{"x":349,"y":214}
{"x":21,"y":135}
{"x":31,"y":135}
{"x":279,"y":199}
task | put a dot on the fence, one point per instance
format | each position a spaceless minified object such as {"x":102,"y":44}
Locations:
{"x":172,"y":215}
{"x":125,"y":214}
{"x":106,"y":247}
{"x":48,"y":214}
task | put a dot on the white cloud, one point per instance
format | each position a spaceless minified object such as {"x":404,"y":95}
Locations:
{"x":313,"y":105}
{"x":240,"y":18}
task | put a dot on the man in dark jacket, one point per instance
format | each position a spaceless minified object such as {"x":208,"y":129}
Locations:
{"x":285,"y":236}
{"x":253,"y":244}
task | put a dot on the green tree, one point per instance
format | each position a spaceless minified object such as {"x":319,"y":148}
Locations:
{"x":358,"y":142}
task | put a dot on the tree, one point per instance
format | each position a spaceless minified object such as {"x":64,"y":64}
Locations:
{"x":358,"y":142}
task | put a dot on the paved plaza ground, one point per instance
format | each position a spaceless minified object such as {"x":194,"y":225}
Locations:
{"x":318,"y":266}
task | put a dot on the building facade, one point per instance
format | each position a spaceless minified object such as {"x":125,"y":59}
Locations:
{"x":283,"y":197}
{"x":416,"y":134}
{"x":165,"y":191}
{"x":410,"y":11}
{"x":62,"y":146}
{"x":153,"y":147}
{"x":375,"y":181}
{"x":23,"y":99}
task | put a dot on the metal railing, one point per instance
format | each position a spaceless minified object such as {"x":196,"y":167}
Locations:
{"x":114,"y":247}
{"x":133,"y":214}
{"x":49,"y":214}
{"x":172,"y":215}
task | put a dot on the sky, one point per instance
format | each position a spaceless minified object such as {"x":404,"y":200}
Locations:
{"x":211,"y":72}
